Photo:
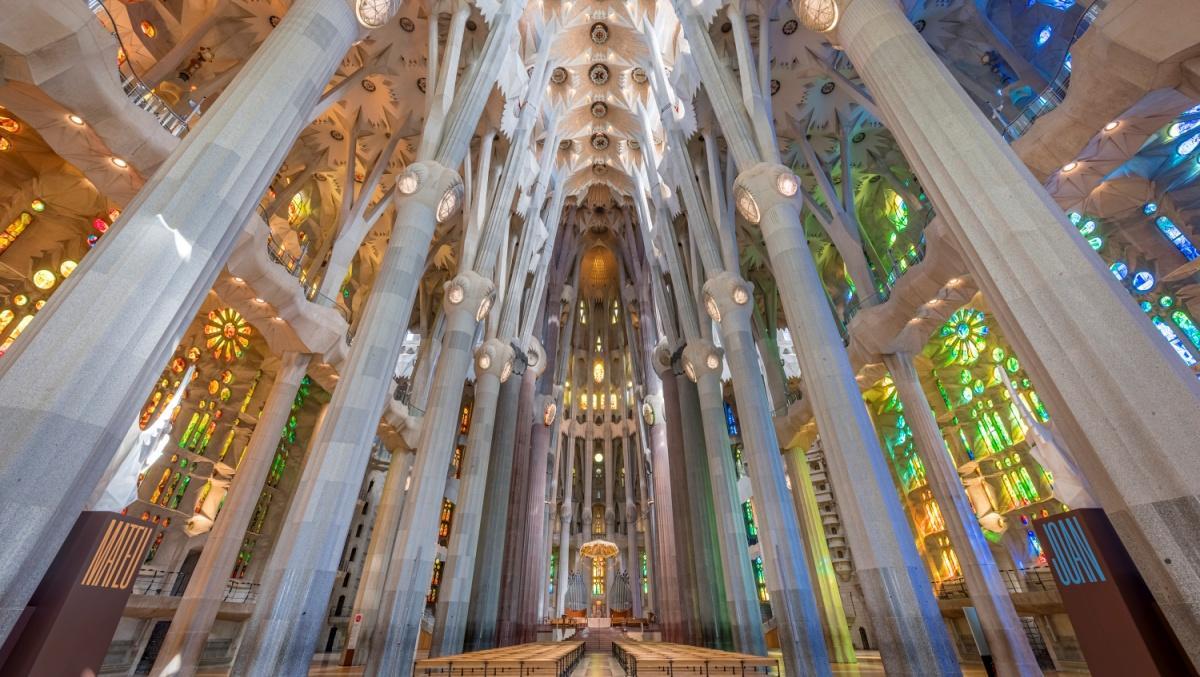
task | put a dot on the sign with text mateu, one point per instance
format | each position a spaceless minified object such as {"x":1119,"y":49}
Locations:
{"x":69,"y":622}
{"x":1118,"y":624}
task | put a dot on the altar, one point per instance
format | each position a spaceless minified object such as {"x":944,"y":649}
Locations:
{"x":599,"y":622}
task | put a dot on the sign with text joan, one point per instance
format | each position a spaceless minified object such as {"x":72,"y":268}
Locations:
{"x":68,"y":624}
{"x":1120,"y":628}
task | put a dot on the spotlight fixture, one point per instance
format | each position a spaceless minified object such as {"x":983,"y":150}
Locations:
{"x":1070,"y":166}
{"x":119,"y":162}
{"x":1112,"y":125}
{"x":75,"y":120}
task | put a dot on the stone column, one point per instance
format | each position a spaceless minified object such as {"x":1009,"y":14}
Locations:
{"x":516,"y":573}
{"x":67,"y":405}
{"x":1001,"y":626}
{"x":676,"y":487}
{"x":628,"y":451}
{"x":564,"y":529}
{"x":710,"y":584}
{"x":454,"y":597}
{"x":1123,"y":402}
{"x":283,"y":630}
{"x":703,"y":362}
{"x":528,"y":611}
{"x":481,"y":619}
{"x":379,"y":556}
{"x":466,"y":301}
{"x":912,"y":637}
{"x":193,"y":619}
{"x":825,"y":581}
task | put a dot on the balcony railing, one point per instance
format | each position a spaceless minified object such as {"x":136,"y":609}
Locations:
{"x":1054,"y":93}
{"x":162,"y":583}
{"x":1039,"y":579}
{"x":142,"y":95}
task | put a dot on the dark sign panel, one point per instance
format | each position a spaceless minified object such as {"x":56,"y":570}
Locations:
{"x":1119,"y":626}
{"x":69,"y":622}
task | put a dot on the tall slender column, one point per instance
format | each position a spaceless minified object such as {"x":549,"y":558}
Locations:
{"x":140,"y":289}
{"x":628,"y":452}
{"x":528,"y":611}
{"x":481,"y":625}
{"x":283,"y":630}
{"x":677,"y":486}
{"x":466,"y":301}
{"x":912,"y":635}
{"x":703,"y":361}
{"x":454,"y":596}
{"x":193,"y":619}
{"x":379,"y":556}
{"x":564,"y":529}
{"x":1100,"y":366}
{"x":710,"y":583}
{"x":825,"y":584}
{"x":515,"y":575}
{"x":1001,"y":626}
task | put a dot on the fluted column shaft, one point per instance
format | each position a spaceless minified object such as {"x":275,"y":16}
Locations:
{"x":379,"y":555}
{"x":481,"y":623}
{"x":564,"y":530}
{"x":710,"y":583}
{"x":516,"y":573}
{"x":633,"y":561}
{"x":1107,"y":377}
{"x":536,"y":554}
{"x":140,"y":290}
{"x":676,"y":482}
{"x":193,"y":619}
{"x":454,"y":596}
{"x":825,"y":582}
{"x":741,"y":599}
{"x":997,"y":616}
{"x":403,"y":605}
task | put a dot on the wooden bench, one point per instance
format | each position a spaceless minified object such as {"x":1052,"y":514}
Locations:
{"x":663,"y":658}
{"x":536,"y":659}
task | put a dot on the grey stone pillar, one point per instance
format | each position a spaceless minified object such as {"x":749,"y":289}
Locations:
{"x":703,"y":361}
{"x":1110,"y":381}
{"x":283,"y":630}
{"x":710,"y":584}
{"x":564,"y":529}
{"x":516,"y":571}
{"x":633,"y":562}
{"x":825,"y":580}
{"x":912,"y":636}
{"x":139,"y":290}
{"x":193,"y":619}
{"x":677,"y":488}
{"x":379,"y":556}
{"x":528,"y":611}
{"x":1001,"y":626}
{"x":481,"y":623}
{"x":454,"y":597}
{"x":467,"y":300}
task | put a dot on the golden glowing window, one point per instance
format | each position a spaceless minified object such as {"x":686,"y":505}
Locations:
{"x":598,"y":370}
{"x":444,"y":523}
{"x":598,"y":576}
{"x":597,"y":519}
{"x":148,"y":29}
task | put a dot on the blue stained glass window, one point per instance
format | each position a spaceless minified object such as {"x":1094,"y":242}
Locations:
{"x":1173,"y":338}
{"x":1043,"y":35}
{"x":1150,"y":208}
{"x":1119,"y":270}
{"x":1168,"y":228}
{"x":1143,"y":281}
{"x":731,"y":421}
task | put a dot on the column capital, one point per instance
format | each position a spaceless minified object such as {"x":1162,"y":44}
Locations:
{"x":662,"y":359}
{"x":764,"y":187}
{"x":652,"y":409}
{"x":432,"y":185}
{"x":701,"y":358}
{"x":727,"y":299}
{"x":469,"y":292}
{"x":494,"y":357}
{"x":535,"y":356}
{"x":547,"y":408}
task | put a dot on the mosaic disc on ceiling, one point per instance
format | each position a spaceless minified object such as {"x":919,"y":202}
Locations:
{"x":599,"y":109}
{"x":599,"y":33}
{"x":600,"y":141}
{"x":598,"y":74}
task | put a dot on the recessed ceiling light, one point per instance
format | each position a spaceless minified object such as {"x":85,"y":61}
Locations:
{"x":75,"y":119}
{"x":120,"y":163}
{"x":1070,"y":166}
{"x":238,"y":280}
{"x":1112,"y":125}
{"x":258,"y":300}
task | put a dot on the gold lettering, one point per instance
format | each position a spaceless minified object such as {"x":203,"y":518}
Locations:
{"x":117,"y":560}
{"x":133,"y":556}
{"x":95,"y":569}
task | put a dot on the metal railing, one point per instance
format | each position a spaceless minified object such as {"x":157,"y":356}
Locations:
{"x":1039,"y":579}
{"x":160,"y":582}
{"x":142,"y":95}
{"x":1055,"y":92}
